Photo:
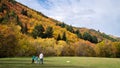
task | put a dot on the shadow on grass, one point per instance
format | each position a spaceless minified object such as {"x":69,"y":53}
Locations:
{"x":33,"y":65}
{"x":27,"y":64}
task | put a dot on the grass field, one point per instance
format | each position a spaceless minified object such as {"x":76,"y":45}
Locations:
{"x":61,"y":62}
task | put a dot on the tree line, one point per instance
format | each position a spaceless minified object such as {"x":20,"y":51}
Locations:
{"x":85,"y":36}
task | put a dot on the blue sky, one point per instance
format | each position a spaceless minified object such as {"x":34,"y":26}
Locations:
{"x":103,"y":15}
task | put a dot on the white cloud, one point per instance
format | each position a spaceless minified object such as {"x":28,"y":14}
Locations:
{"x":97,"y":14}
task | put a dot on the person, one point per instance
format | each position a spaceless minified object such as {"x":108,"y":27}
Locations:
{"x":41,"y":58}
{"x":33,"y":57}
{"x":36,"y":59}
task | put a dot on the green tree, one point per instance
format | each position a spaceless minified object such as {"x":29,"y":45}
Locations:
{"x":59,"y":37}
{"x":38,"y":31}
{"x":24,"y":29}
{"x":108,"y":37}
{"x":70,"y":28}
{"x":6,"y":18}
{"x":12,"y":1}
{"x":63,"y":25}
{"x":12,"y":13}
{"x":18,"y":21}
{"x":64,"y":37}
{"x":87,"y":36}
{"x":1,"y":19}
{"x":24,"y":12}
{"x":3,"y":7}
{"x":35,"y":33}
{"x":77,"y":32}
{"x":48,"y":32}
{"x":94,"y":39}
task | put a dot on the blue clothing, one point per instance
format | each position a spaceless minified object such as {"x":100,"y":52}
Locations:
{"x":36,"y":59}
{"x":33,"y":57}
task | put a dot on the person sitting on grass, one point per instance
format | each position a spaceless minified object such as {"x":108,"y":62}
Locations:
{"x":36,"y":59}
{"x":33,"y":58}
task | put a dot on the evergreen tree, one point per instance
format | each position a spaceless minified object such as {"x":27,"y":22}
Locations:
{"x":24,"y":12}
{"x":18,"y":21}
{"x":35,"y":33}
{"x":1,"y":19}
{"x":64,"y":37}
{"x":94,"y":39}
{"x":62,"y":25}
{"x":24,"y":29}
{"x":12,"y":13}
{"x":59,"y":37}
{"x":38,"y":31}
{"x":12,"y":1}
{"x":77,"y":32}
{"x":87,"y":36}
{"x":3,"y":7}
{"x":6,"y":18}
{"x":48,"y":32}
{"x":70,"y":28}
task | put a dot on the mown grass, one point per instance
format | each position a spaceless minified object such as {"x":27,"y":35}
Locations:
{"x":61,"y":62}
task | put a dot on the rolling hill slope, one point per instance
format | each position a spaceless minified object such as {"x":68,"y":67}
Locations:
{"x":32,"y":18}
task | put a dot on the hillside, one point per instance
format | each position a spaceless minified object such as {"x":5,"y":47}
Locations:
{"x":31,"y":18}
{"x":32,"y":32}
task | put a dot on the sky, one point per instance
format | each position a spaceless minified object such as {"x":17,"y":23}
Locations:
{"x":103,"y":15}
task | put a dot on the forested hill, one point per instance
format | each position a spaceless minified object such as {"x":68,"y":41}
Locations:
{"x":24,"y":32}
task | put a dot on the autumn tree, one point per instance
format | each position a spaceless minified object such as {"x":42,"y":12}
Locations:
{"x":84,"y":49}
{"x":8,"y":43}
{"x":116,"y":49}
{"x":103,"y":49}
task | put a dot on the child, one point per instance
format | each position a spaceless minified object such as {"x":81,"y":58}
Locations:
{"x":36,"y":59}
{"x":33,"y":57}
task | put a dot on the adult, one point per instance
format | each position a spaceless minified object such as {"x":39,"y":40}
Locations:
{"x":41,"y":57}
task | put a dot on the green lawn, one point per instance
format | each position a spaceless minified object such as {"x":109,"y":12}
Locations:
{"x":60,"y":62}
